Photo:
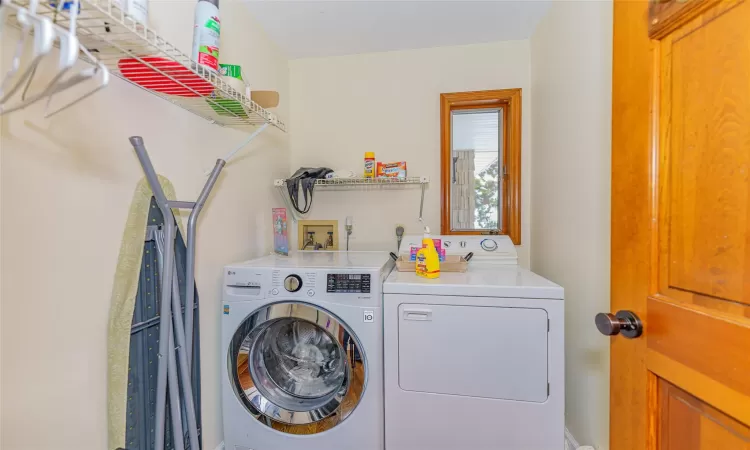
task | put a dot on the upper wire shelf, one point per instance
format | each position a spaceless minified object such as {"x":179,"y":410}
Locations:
{"x":138,"y":55}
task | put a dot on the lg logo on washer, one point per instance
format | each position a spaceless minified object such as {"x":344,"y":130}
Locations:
{"x":369,"y":316}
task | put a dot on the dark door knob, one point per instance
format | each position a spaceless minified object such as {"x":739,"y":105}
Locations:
{"x":625,"y":322}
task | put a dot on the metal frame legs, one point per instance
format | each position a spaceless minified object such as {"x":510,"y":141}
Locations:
{"x":175,"y":337}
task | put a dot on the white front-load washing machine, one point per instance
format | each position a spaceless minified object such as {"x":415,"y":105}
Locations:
{"x":474,"y":360}
{"x":302,"y":342}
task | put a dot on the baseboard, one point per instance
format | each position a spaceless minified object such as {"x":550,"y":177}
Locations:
{"x":570,"y":441}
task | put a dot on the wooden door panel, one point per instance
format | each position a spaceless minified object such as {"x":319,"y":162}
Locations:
{"x":713,"y":346}
{"x":681,"y":224}
{"x":687,"y":423}
{"x":704,"y":354}
{"x":699,"y":314}
{"x":705,"y":161}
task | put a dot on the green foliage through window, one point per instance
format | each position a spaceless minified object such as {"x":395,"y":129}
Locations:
{"x":486,"y":188}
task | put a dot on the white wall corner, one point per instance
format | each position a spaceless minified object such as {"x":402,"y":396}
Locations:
{"x":570,"y":441}
{"x":221,"y":444}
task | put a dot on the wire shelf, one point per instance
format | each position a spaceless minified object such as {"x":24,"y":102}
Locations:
{"x":138,"y":55}
{"x":357,"y":182}
{"x":347,"y":184}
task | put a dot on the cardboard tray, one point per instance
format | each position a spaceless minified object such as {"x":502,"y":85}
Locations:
{"x":452,"y":263}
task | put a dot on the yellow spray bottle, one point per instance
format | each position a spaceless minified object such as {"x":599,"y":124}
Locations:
{"x":428,"y":261}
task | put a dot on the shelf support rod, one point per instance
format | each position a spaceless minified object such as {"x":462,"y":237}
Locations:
{"x":421,"y":203}
{"x":231,"y":154}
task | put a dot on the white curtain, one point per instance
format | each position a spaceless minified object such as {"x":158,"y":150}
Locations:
{"x":462,"y":190}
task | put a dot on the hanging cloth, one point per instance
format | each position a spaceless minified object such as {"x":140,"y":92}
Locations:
{"x":304,"y":178}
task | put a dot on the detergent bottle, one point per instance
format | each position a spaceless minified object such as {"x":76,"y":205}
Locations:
{"x":428,"y":261}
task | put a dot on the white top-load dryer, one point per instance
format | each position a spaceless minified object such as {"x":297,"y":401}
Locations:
{"x":302,"y":352}
{"x":474,"y":360}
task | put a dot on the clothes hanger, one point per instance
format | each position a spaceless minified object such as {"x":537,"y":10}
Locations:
{"x":69,"y":52}
{"x":68,"y":46}
{"x":68,"y":59}
{"x":43,"y":40}
{"x":84,"y":75}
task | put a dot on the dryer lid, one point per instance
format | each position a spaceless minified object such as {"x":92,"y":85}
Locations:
{"x":478,"y":281}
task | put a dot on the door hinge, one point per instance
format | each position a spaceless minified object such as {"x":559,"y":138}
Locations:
{"x":505,"y":171}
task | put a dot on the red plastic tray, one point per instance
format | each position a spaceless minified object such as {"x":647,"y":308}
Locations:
{"x":189,"y":85}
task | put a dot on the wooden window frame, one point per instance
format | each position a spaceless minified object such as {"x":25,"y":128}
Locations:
{"x":509,"y":100}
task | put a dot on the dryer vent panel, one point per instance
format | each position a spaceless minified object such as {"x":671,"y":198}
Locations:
{"x":508,"y":344}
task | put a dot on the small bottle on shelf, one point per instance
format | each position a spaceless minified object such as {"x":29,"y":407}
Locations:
{"x":369,"y":165}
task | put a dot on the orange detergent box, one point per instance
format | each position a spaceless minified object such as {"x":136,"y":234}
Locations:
{"x":391,"y":170}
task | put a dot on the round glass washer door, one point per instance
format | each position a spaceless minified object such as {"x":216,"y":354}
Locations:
{"x":295,"y":368}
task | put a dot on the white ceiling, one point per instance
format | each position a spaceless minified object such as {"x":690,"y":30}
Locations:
{"x":315,"y":28}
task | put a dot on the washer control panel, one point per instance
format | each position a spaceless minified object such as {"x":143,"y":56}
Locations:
{"x":348,"y":283}
{"x":354,"y":286}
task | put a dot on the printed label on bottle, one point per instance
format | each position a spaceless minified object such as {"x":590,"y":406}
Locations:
{"x":369,"y":168}
{"x":206,"y":36}
{"x":209,"y":56}
{"x":421,"y":264}
{"x":213,"y":24}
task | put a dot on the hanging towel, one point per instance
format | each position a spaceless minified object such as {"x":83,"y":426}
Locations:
{"x":304,"y":178}
{"x":122,"y":304}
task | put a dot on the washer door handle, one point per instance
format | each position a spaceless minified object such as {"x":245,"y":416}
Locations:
{"x":422,"y":315}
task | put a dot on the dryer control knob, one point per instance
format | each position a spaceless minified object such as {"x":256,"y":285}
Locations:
{"x":489,"y":245}
{"x":293,"y":283}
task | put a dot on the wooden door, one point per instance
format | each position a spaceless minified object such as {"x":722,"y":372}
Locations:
{"x":681,"y":224}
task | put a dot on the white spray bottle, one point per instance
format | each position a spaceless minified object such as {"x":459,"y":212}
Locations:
{"x":206,"y":31}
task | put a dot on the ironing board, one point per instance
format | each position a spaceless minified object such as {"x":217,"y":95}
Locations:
{"x":134,"y":328}
{"x":144,"y":334}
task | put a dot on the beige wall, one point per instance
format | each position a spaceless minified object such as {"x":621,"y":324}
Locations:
{"x":66,"y":188}
{"x":388,"y":103}
{"x":571,"y":78}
